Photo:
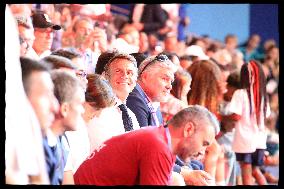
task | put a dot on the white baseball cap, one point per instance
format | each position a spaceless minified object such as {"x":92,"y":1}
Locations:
{"x":195,"y":50}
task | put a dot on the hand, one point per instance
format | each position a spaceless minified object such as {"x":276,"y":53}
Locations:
{"x":98,"y":36}
{"x":197,"y":177}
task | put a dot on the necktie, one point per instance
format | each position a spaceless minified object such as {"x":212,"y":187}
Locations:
{"x":127,"y":122}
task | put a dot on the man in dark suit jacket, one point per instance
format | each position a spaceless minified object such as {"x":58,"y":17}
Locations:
{"x":155,"y":75}
{"x":139,"y":106}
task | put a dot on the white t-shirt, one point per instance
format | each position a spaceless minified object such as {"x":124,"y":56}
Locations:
{"x":79,"y":146}
{"x":247,"y":137}
{"x":107,"y":125}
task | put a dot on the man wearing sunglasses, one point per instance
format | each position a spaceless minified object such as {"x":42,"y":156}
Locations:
{"x":155,"y":75}
{"x":43,"y":31}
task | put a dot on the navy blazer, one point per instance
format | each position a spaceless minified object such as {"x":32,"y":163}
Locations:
{"x":136,"y":103}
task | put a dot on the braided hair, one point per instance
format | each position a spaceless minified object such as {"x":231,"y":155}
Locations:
{"x":254,"y":81}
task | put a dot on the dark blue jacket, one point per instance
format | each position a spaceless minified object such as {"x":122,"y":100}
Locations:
{"x":136,"y":103}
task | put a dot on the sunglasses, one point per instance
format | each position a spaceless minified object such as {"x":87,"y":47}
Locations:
{"x":158,"y":58}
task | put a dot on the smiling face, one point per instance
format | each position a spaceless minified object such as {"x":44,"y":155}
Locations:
{"x":122,"y":75}
{"x":158,"y":83}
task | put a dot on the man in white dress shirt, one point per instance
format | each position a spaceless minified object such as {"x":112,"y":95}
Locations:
{"x":121,"y":72}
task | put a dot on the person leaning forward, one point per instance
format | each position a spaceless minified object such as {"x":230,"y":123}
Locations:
{"x":146,"y":156}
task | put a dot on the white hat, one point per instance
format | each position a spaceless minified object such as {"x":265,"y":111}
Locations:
{"x":122,"y":46}
{"x":195,"y":50}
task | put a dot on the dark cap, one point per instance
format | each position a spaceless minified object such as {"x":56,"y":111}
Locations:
{"x":42,"y":20}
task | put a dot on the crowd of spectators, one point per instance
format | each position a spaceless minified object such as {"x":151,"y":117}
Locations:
{"x":96,"y":98}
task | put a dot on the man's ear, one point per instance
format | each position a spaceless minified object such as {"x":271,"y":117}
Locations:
{"x":188,"y":129}
{"x":64,"y":109}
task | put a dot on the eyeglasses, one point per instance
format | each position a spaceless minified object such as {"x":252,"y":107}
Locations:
{"x":159,"y":58}
{"x":81,"y":73}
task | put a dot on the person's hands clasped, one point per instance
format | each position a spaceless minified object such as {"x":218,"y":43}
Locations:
{"x":197,"y":177}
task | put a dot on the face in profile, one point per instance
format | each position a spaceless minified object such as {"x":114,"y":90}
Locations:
{"x":75,"y":111}
{"x":42,"y":98}
{"x":194,"y":146}
{"x":122,"y":77}
{"x":159,"y":84}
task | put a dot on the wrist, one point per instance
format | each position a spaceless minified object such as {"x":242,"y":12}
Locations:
{"x":185,"y":170}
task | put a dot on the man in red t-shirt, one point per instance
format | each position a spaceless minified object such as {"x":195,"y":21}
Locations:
{"x":146,"y":156}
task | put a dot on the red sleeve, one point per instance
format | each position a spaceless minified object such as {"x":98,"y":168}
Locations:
{"x":155,"y":169}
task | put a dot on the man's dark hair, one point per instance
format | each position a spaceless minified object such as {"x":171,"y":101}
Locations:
{"x":185,"y":57}
{"x":139,"y":57}
{"x":69,"y":53}
{"x":103,"y":60}
{"x":28,"y":67}
{"x":57,"y":62}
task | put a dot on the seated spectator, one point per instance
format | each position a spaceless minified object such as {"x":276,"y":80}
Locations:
{"x":39,"y":89}
{"x":143,"y":43}
{"x":173,"y":57}
{"x":99,"y":106}
{"x":43,"y":31}
{"x":89,"y":41}
{"x":60,"y":62}
{"x":121,"y":73}
{"x":127,"y":40}
{"x":23,"y":136}
{"x":137,"y":168}
{"x":196,"y":53}
{"x":156,"y":68}
{"x":207,"y":89}
{"x":77,"y":59}
{"x":249,"y":49}
{"x":26,"y":32}
{"x":171,"y":43}
{"x":185,"y":61}
{"x":70,"y":95}
{"x":178,"y":97}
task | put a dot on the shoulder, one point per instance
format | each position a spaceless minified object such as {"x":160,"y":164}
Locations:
{"x":135,"y":98}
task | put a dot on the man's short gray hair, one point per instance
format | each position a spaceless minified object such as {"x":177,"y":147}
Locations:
{"x":161,"y":61}
{"x":197,"y":114}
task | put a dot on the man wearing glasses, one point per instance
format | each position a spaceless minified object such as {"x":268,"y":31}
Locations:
{"x":43,"y":31}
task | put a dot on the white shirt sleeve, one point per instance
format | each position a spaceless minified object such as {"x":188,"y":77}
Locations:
{"x":236,"y":104}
